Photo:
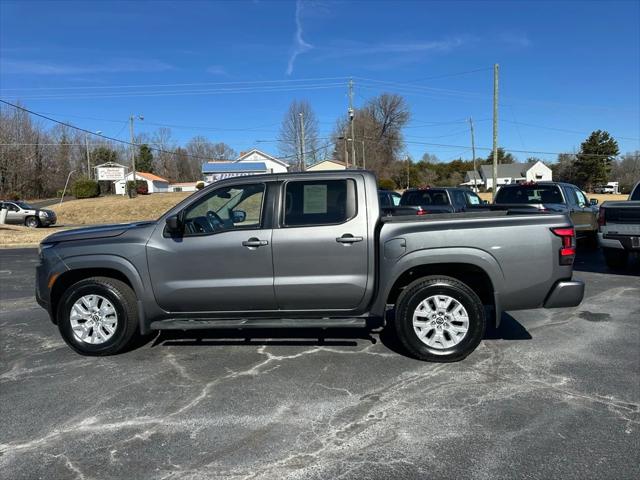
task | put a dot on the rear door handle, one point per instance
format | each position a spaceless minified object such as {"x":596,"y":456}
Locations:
{"x":348,"y":238}
{"x":254,"y":242}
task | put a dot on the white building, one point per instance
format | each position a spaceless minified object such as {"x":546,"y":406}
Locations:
{"x":273,"y":164}
{"x":183,"y":187}
{"x":326,"y":165}
{"x":508,"y":173}
{"x":155,"y":184}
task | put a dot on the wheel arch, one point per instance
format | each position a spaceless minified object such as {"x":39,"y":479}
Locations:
{"x":476,"y":268}
{"x":82,"y":267}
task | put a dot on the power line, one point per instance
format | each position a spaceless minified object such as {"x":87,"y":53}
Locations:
{"x":168,"y":85}
{"x":246,"y":90}
{"x":117,"y":140}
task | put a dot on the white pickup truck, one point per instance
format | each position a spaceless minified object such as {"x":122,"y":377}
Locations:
{"x":619,"y":229}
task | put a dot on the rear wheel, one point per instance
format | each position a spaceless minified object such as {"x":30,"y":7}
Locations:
{"x":32,"y":222}
{"x":615,"y":257}
{"x":439,"y":319}
{"x":98,"y":316}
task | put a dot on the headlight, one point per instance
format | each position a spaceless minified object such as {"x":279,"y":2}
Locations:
{"x":44,"y":214}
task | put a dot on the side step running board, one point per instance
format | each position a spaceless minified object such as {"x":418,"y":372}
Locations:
{"x":194,"y":324}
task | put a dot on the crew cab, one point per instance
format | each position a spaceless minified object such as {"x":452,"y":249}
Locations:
{"x":304,"y":250}
{"x":553,"y":197}
{"x":428,"y":200}
{"x":21,"y":213}
{"x":619,"y":229}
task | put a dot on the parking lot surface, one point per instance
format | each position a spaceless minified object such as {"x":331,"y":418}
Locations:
{"x":550,"y":394}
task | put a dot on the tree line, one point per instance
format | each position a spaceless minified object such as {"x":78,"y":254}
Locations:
{"x":35,"y":161}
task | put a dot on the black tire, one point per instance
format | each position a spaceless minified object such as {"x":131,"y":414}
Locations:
{"x":32,"y":222}
{"x":123,"y":299}
{"x":615,"y":257}
{"x":426,"y":287}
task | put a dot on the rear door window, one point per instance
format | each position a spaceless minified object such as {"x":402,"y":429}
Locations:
{"x":635,"y":195}
{"x":319,"y":202}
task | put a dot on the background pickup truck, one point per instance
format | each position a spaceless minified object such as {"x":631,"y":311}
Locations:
{"x":553,"y":197}
{"x":304,"y":250}
{"x":429,"y":200}
{"x":619,"y":229}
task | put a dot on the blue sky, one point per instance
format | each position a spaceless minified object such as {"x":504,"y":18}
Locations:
{"x":228,"y":70}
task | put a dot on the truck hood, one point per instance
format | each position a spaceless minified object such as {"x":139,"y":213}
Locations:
{"x":99,"y":231}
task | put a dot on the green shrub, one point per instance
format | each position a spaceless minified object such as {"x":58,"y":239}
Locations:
{"x":85,"y":188}
{"x":386,"y":184}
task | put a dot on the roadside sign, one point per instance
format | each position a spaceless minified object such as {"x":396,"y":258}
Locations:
{"x":110,"y":173}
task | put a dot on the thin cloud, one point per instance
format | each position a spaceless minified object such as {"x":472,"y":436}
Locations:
{"x":515,"y":39}
{"x":299,"y":45}
{"x":32,"y":67}
{"x":217,"y":70}
{"x":439,"y":46}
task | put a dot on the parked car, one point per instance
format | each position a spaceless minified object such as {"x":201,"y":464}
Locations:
{"x":428,"y":200}
{"x":619,"y":229}
{"x":21,"y":213}
{"x":554,"y":197}
{"x":304,"y":250}
{"x":389,"y":202}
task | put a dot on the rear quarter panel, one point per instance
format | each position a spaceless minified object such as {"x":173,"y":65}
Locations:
{"x":518,"y":253}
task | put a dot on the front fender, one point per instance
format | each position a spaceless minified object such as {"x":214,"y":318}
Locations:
{"x":121,"y":265}
{"x":392,"y":269}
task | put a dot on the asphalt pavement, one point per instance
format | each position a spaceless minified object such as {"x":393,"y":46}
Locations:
{"x":551,"y":394}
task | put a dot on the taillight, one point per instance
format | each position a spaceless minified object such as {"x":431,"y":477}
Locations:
{"x":568,"y":250}
{"x":420,"y":211}
{"x":602,"y":220}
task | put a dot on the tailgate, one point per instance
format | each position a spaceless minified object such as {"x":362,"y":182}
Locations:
{"x":622,"y":219}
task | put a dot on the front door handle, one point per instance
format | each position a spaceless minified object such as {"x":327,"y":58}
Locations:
{"x":348,"y":238}
{"x":254,"y":242}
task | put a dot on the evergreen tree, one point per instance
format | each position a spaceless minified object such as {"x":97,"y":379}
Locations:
{"x":593,"y":163}
{"x":144,"y":159}
{"x":502,"y":157}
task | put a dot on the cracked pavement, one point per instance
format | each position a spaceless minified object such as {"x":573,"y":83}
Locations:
{"x":551,"y":394}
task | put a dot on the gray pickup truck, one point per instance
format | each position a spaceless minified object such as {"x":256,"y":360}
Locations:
{"x":619,"y":229}
{"x":304,"y":250}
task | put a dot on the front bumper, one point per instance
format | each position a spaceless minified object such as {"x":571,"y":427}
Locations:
{"x":565,"y":293}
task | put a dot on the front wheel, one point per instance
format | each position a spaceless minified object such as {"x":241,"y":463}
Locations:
{"x":98,"y":316}
{"x":439,"y":319}
{"x":32,"y":222}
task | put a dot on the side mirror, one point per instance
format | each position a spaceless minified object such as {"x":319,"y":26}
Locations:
{"x":174,"y":224}
{"x":238,"y":216}
{"x":593,"y":201}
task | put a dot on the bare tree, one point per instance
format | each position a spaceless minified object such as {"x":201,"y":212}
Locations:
{"x":289,"y":138}
{"x":378,"y":134}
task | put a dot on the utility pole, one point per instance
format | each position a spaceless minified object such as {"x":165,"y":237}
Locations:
{"x":303,"y":164}
{"x":133,"y":152}
{"x":364,"y":161}
{"x":351,"y":118}
{"x":473,"y":153}
{"x":86,"y":143}
{"x":408,"y":163}
{"x":495,"y":131}
{"x":346,"y":154}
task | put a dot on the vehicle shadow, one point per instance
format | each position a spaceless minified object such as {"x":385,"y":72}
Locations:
{"x":592,"y":260}
{"x":510,"y":329}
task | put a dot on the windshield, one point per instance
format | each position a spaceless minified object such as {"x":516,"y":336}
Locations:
{"x":424,"y":197}
{"x":24,"y":206}
{"x":635,"y":195}
{"x":529,"y":194}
